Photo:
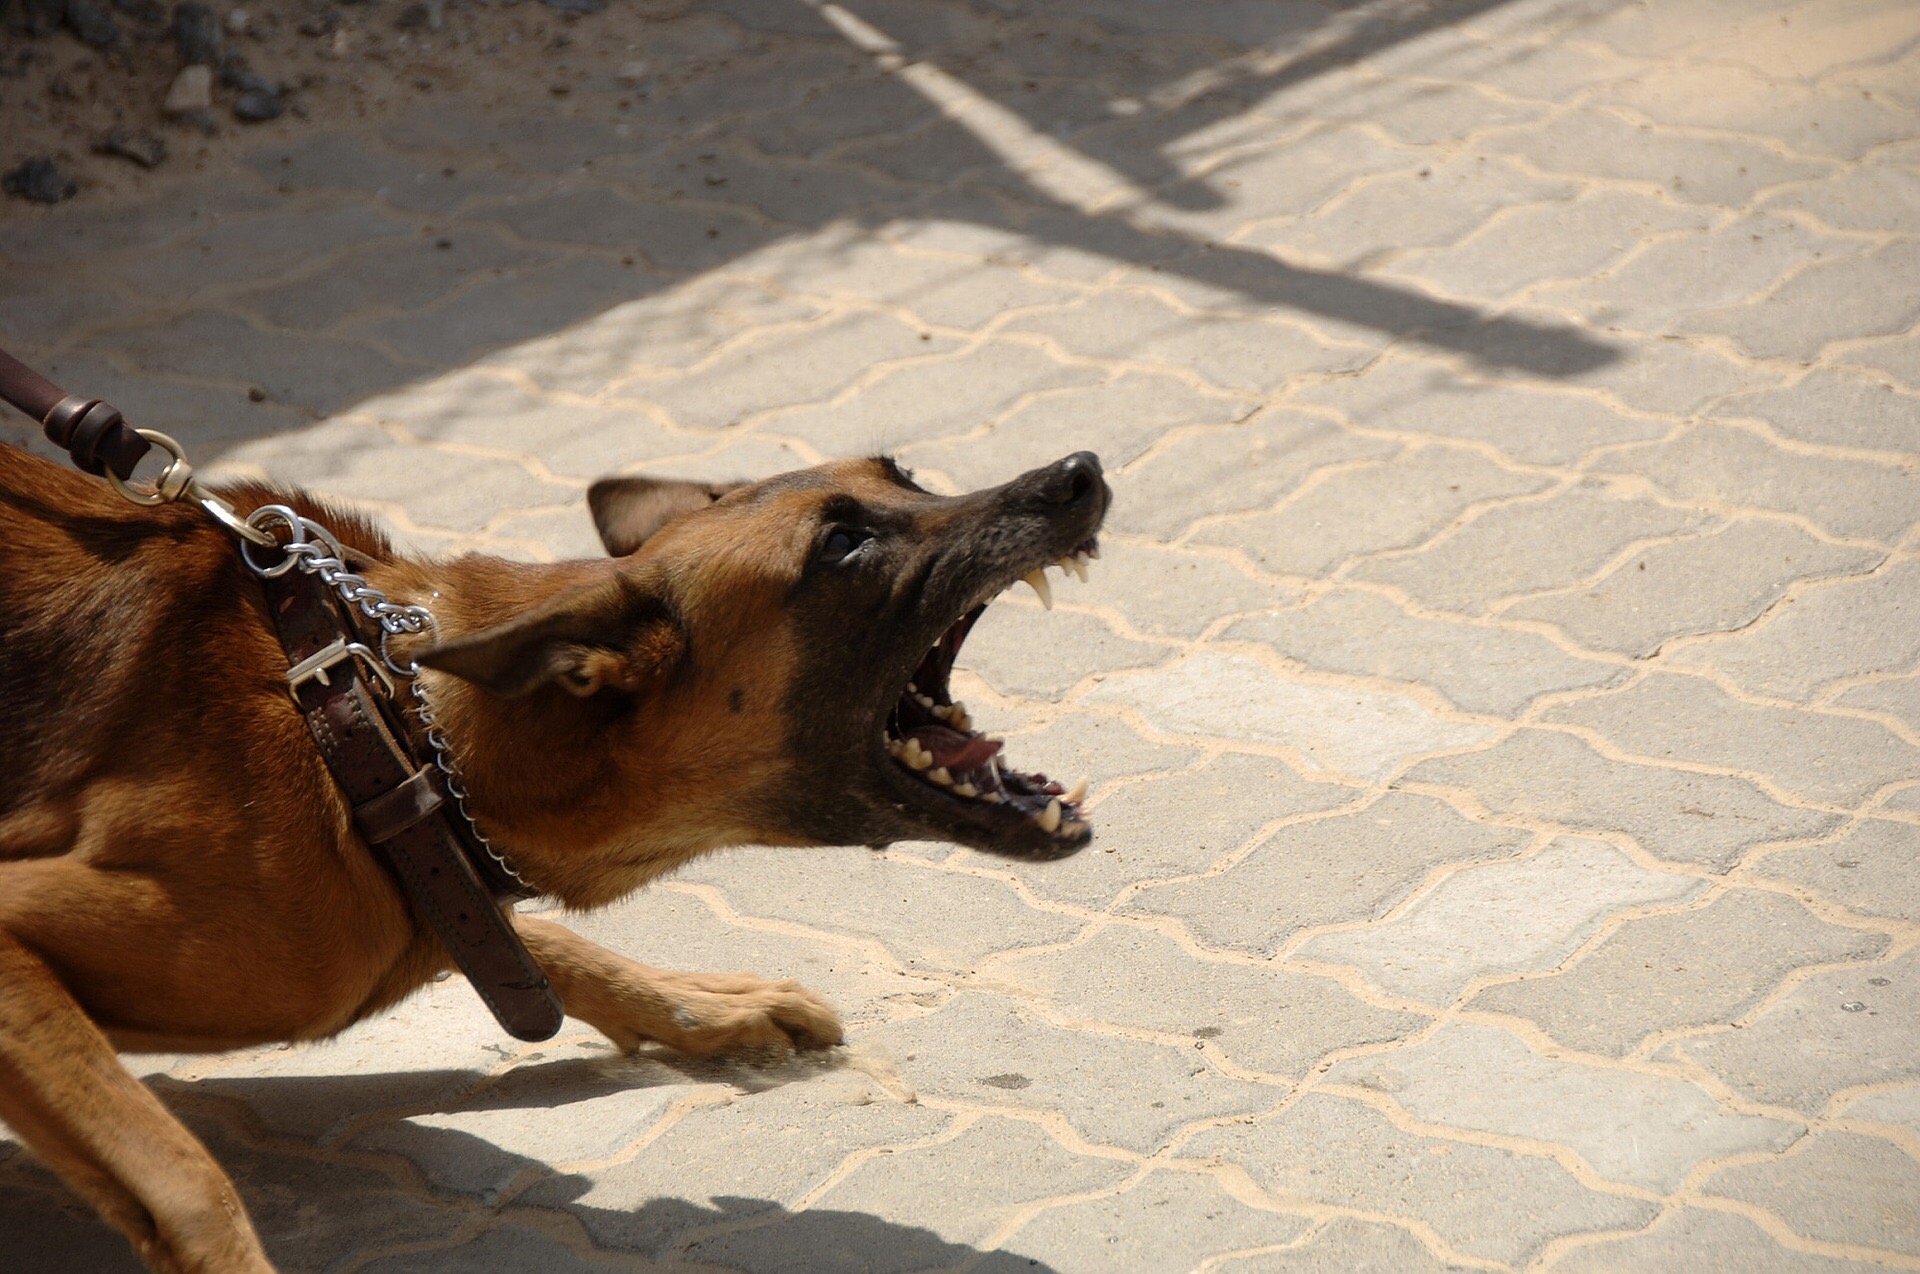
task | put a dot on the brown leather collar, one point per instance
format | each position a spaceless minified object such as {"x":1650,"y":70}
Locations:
{"x":402,"y":807}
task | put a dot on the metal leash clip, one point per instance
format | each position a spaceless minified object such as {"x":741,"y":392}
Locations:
{"x":176,"y":482}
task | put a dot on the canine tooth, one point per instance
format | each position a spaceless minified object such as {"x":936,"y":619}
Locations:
{"x":1077,"y":794}
{"x":1074,"y":567}
{"x":1094,"y":552}
{"x":939,"y":775}
{"x":1037,"y":580}
{"x":965,"y":789}
{"x":1049,"y":818}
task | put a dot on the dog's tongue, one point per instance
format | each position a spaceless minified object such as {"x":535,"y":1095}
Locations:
{"x":957,"y":751}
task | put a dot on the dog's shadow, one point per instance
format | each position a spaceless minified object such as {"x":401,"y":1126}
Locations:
{"x":432,"y":1199}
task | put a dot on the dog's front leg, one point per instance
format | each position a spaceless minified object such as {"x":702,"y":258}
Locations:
{"x":698,"y":1013}
{"x":64,"y":1091}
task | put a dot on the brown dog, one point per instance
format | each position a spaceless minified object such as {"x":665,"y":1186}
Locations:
{"x":759,"y":664}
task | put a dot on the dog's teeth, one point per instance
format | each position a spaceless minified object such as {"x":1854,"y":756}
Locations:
{"x":965,"y":789}
{"x":960,"y":720}
{"x":1093,"y":551}
{"x":1077,"y":794}
{"x":912,"y":689}
{"x":939,"y":775}
{"x":1037,"y":581}
{"x":942,"y":711}
{"x":924,"y":701}
{"x":1049,"y":818}
{"x":918,"y":757}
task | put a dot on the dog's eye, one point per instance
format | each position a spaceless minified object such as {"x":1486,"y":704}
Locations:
{"x":842,"y":542}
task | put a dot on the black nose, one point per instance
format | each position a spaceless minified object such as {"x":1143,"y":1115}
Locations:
{"x":1074,"y":480}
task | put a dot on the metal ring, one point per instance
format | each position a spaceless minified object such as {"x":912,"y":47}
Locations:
{"x":173,"y":480}
{"x":223,"y":514}
{"x":297,"y":534}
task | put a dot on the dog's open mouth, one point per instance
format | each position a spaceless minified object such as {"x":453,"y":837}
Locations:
{"x":932,"y":738}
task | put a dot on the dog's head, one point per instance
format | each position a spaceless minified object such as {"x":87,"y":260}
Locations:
{"x":770,"y":661}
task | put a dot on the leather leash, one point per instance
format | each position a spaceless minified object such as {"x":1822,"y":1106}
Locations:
{"x":403,"y":808}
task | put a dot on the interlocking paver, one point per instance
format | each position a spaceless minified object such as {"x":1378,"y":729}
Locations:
{"x":1261,"y":1018}
{"x":1333,"y":1151}
{"x":1511,"y":402}
{"x":1512,"y":917}
{"x":1839,"y":1187}
{"x":1811,"y":1044}
{"x":1482,"y":669}
{"x":1337,"y":870}
{"x":1685,"y":969}
{"x":1639,"y":1129}
{"x":1677,"y":815}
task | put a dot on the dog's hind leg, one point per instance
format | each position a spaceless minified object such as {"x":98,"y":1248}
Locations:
{"x":63,"y":1089}
{"x":698,"y":1013}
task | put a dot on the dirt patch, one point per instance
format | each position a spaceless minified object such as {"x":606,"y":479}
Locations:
{"x":94,"y":105}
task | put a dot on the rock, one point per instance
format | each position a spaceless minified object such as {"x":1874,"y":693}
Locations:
{"x":93,"y":23}
{"x":39,"y":180}
{"x":235,"y":74}
{"x":142,"y":148}
{"x":45,"y":16}
{"x":197,"y":32}
{"x":191,"y":90}
{"x":237,"y":22}
{"x":150,"y":12}
{"x":577,"y":6}
{"x":255,"y":107}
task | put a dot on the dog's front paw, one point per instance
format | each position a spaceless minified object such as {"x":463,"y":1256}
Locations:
{"x":715,"y":1013}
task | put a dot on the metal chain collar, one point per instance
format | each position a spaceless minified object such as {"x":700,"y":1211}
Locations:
{"x":312,"y":549}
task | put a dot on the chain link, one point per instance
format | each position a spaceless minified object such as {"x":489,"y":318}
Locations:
{"x":312,"y":550}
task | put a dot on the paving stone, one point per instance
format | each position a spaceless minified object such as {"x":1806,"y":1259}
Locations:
{"x":1363,"y":733}
{"x":1251,"y":355}
{"x":1870,"y":869}
{"x":1715,"y":583}
{"x":1738,"y":99}
{"x":1850,"y":498}
{"x":254,"y":249}
{"x":671,"y":328}
{"x":587,"y":1104}
{"x":1660,"y":374}
{"x":1851,"y":628}
{"x":1709,"y":966}
{"x":1482,"y":669}
{"x":844,"y":262}
{"x":1806,"y":1047}
{"x":798,"y":193}
{"x":1295,"y":176}
{"x":1102,"y":747}
{"x":1898,"y":698}
{"x":1513,"y":917}
{"x":1182,"y":824}
{"x":1120,"y":418}
{"x":1003,"y":651}
{"x":1266,"y":1019}
{"x":206,"y":418}
{"x":918,"y":401}
{"x":676,"y":237}
{"x":89,"y":233}
{"x":1413,"y":114}
{"x":1698,"y":268}
{"x":1826,"y":758}
{"x":1213,"y":472}
{"x":1899,"y":1107}
{"x":1703,"y":1239}
{"x":1437,"y":203}
{"x":926,"y":918}
{"x":1644,"y":1130}
{"x":961,"y":1190}
{"x":1543,"y":243}
{"x":1171,"y":1220}
{"x":1866,"y":294}
{"x":786,"y":368}
{"x":755,"y":1153}
{"x":1408,"y":498}
{"x":338,"y":162}
{"x":1347,"y":1244}
{"x":1871,"y":198}
{"x":1839,"y":1187}
{"x":299,"y":370}
{"x":496,"y":314}
{"x":406,"y":273}
{"x":1714,"y":171}
{"x":1485,"y":1203}
{"x":504,"y":1247}
{"x":1420,"y":397}
{"x":852,"y":107}
{"x":1832,"y":408}
{"x":1529,"y":545}
{"x":1677,"y":815}
{"x":49,"y":1229}
{"x":982,"y":1050}
{"x":1174,"y":592}
{"x":443,"y":489}
{"x":1350,"y":867}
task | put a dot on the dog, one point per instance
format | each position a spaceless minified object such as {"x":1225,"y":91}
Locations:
{"x":760,"y":663}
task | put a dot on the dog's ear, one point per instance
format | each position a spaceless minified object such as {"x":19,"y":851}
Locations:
{"x":629,"y":510}
{"x":610,"y":636}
